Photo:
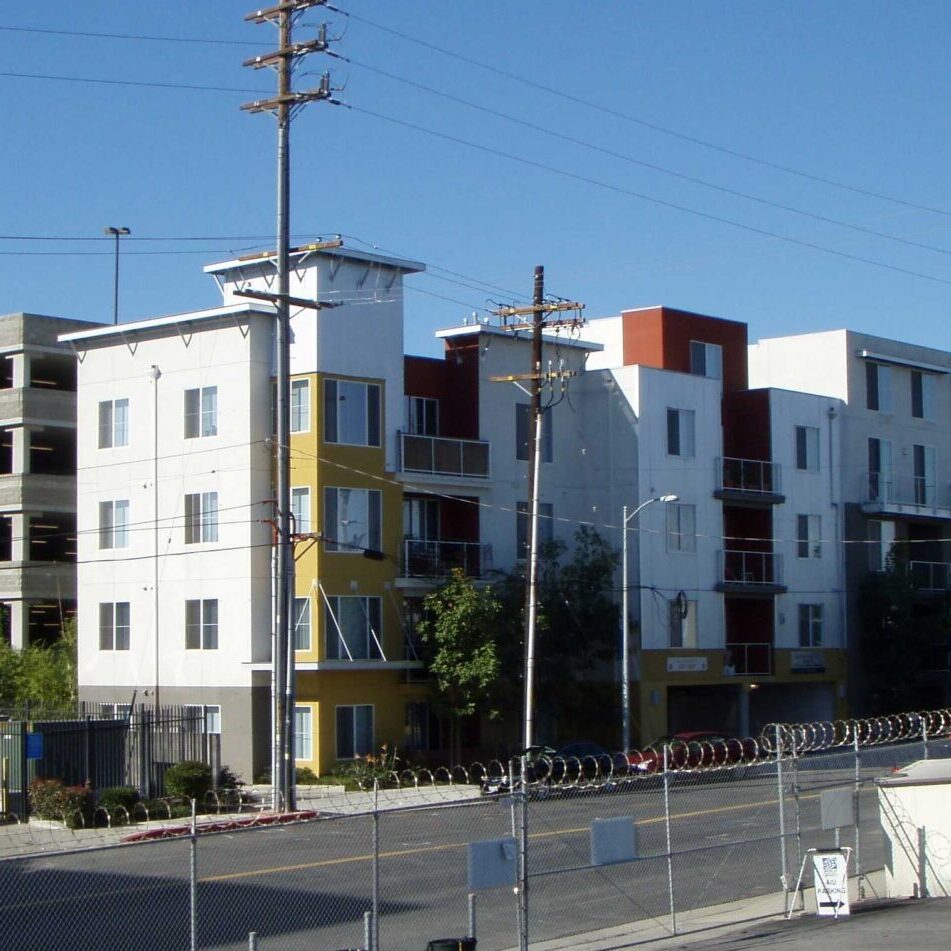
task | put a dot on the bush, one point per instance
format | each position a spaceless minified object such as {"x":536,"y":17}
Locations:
{"x":190,"y":779}
{"x":306,"y":776}
{"x":73,"y":805}
{"x":116,"y":796}
{"x":228,"y":778}
{"x":362,"y":771}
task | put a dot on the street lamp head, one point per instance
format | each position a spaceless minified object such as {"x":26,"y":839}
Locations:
{"x":116,"y":231}
{"x":669,"y":498}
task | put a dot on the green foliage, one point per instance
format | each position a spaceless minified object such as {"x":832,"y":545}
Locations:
{"x":228,"y":778}
{"x":73,"y":805}
{"x":190,"y":779}
{"x":43,"y":676}
{"x":363,"y":771}
{"x":305,"y":776}
{"x":116,"y":796}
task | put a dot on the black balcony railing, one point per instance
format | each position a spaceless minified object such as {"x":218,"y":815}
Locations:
{"x":749,"y":475}
{"x":750,"y":567}
{"x":423,"y":558}
{"x":440,"y":455}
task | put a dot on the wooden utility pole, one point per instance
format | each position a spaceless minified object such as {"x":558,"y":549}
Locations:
{"x":540,"y":312}
{"x":283,"y":106}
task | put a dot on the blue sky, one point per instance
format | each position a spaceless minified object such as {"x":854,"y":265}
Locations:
{"x":674,"y":132}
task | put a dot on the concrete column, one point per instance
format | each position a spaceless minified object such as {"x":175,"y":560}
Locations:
{"x":20,"y":370}
{"x":19,"y":450}
{"x":743,"y":712}
{"x":19,"y":624}
{"x":20,"y":544}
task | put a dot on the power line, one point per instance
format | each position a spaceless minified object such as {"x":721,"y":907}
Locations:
{"x":128,"y":36}
{"x":191,"y":87}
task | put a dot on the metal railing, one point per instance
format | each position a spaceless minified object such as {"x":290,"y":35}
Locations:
{"x":749,"y":475}
{"x":423,"y":558}
{"x":923,"y":491}
{"x":440,"y":455}
{"x":930,"y":575}
{"x":739,"y":567}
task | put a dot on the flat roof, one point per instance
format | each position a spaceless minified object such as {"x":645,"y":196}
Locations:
{"x":402,"y":264}
{"x":152,"y":323}
{"x":924,"y":772}
{"x":493,"y":331}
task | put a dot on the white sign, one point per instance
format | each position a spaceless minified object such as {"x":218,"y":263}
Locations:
{"x":807,"y":662}
{"x":686,"y":665}
{"x":831,"y":874}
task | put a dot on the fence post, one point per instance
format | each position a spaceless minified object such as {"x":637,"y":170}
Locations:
{"x":193,"y":847}
{"x":252,"y":941}
{"x":375,"y":924}
{"x":922,"y":863}
{"x":472,"y":914}
{"x":780,"y":795}
{"x":367,"y":930}
{"x":523,"y":859}
{"x":858,"y":818}
{"x":670,"y":856}
{"x":924,"y":737}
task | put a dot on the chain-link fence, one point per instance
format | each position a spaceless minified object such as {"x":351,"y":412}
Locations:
{"x":588,"y":848}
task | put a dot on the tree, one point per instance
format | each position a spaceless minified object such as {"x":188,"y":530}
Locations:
{"x":458,"y":631}
{"x":40,"y":676}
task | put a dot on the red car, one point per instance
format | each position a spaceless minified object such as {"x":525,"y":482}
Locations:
{"x":692,"y":749}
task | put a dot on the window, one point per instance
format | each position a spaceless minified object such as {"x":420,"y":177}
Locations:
{"x":878,"y":387}
{"x":116,"y":711}
{"x":201,"y":412}
{"x":351,"y":413}
{"x":421,"y":518}
{"x":880,"y":476}
{"x":706,"y":359}
{"x":114,"y":524}
{"x":205,"y":718}
{"x":523,"y":518}
{"x":523,"y":432}
{"x":114,"y":626}
{"x":201,"y":625}
{"x":300,"y":509}
{"x":422,"y":416}
{"x":300,"y":406}
{"x":354,"y":731}
{"x":113,"y":424}
{"x":303,"y":733}
{"x":682,"y":622}
{"x":810,"y":625}
{"x":922,"y":395}
{"x":807,"y":448}
{"x":201,"y":517}
{"x":681,"y":527}
{"x":353,"y":626}
{"x":302,"y":624}
{"x":680,"y":430}
{"x":881,"y":537}
{"x":925,"y":474}
{"x":808,"y":536}
{"x":352,"y":520}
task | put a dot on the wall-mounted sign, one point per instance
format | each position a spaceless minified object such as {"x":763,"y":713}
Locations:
{"x":807,"y":662}
{"x":686,"y":665}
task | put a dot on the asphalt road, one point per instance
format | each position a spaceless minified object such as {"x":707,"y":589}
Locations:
{"x":308,"y":885}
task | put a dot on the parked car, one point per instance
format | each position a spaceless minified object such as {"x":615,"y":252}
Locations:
{"x":693,"y":749}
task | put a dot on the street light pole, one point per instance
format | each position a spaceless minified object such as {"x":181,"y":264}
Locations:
{"x":116,"y":233}
{"x":626,"y":623}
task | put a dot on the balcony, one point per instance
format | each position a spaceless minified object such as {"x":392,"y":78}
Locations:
{"x":919,"y":496}
{"x":749,"y":481}
{"x":748,"y":660}
{"x":441,"y":456}
{"x":423,"y":558}
{"x":750,"y":572}
{"x":930,"y":575}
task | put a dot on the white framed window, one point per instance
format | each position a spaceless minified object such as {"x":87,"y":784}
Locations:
{"x":681,"y":527}
{"x":810,"y":625}
{"x":300,"y":508}
{"x":523,"y":524}
{"x":706,"y":359}
{"x":205,"y":715}
{"x":115,"y":627}
{"x":680,"y":432}
{"x":421,"y":518}
{"x":114,"y":524}
{"x":354,"y":729}
{"x":351,"y":413}
{"x":881,"y":538}
{"x":201,"y":624}
{"x":303,"y":733}
{"x":117,"y":711}
{"x":300,"y":406}
{"x":926,"y":474}
{"x":880,"y":472}
{"x":302,"y":624}
{"x":523,"y":433}
{"x":807,"y":448}
{"x":682,"y":623}
{"x":878,"y":387}
{"x":201,"y":517}
{"x":808,"y":536}
{"x":113,"y":424}
{"x":201,"y":412}
{"x":422,"y":415}
{"x":353,"y":520}
{"x":353,"y":628}
{"x":922,"y":395}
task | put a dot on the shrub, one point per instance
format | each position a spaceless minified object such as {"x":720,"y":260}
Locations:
{"x":228,"y":778}
{"x":116,"y":796}
{"x":362,"y":771}
{"x":73,"y":805}
{"x":306,"y":776}
{"x":190,"y":779}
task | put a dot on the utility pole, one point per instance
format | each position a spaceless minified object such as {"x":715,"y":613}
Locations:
{"x":540,"y":311}
{"x":284,"y":106}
